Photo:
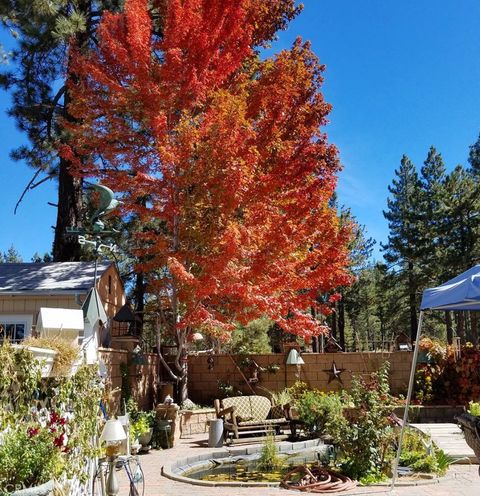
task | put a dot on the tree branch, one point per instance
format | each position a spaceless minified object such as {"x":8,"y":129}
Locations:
{"x":53,"y":106}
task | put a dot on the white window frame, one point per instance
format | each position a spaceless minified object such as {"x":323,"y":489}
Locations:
{"x":26,"y":320}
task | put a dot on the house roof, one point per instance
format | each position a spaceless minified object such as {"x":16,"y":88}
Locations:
{"x":53,"y":277}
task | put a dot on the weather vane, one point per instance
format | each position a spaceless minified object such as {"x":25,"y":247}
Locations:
{"x":104,"y":203}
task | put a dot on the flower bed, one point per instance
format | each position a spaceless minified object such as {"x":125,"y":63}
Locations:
{"x":46,"y":424}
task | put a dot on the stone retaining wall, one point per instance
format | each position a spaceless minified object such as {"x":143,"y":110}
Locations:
{"x":195,"y":421}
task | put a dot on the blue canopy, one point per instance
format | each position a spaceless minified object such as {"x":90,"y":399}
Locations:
{"x":460,"y":293}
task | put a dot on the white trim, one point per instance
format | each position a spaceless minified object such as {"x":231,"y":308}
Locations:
{"x":19,"y":318}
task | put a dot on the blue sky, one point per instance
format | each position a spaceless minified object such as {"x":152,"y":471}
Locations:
{"x":402,"y":76}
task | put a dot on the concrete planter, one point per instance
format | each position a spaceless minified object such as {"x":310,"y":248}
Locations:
{"x":42,"y":490}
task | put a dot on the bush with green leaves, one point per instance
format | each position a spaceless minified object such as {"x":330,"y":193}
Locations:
{"x":28,"y":457}
{"x":422,"y":455}
{"x":317,"y":409}
{"x":365,"y":442}
{"x":270,"y":458}
{"x":69,"y":413}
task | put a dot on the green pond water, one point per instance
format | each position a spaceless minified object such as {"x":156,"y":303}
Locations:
{"x":247,"y":471}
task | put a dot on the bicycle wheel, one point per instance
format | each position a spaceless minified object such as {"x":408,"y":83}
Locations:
{"x":135,"y":476}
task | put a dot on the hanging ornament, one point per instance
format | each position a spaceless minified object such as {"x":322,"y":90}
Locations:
{"x":334,"y":373}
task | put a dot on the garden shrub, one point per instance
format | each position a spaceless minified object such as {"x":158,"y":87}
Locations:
{"x":317,"y":408}
{"x":365,"y":443}
{"x":48,"y":424}
{"x":447,"y":378}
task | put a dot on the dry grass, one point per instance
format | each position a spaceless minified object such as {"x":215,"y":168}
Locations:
{"x":67,"y":353}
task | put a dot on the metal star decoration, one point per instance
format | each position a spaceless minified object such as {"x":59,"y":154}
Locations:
{"x":334,"y":373}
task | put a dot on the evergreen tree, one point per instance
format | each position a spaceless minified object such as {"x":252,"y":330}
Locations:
{"x":461,"y":223}
{"x":405,"y":230}
{"x":431,"y":217}
{"x":11,"y":256}
{"x":474,"y":158}
{"x":459,"y":235}
{"x":360,"y":248}
{"x":39,"y":85}
{"x":37,"y":258}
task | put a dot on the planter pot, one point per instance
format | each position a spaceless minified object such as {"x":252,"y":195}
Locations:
{"x":135,"y":447}
{"x":145,"y":438}
{"x":45,"y":356}
{"x":42,"y":490}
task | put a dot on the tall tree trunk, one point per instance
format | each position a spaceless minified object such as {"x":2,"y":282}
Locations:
{"x":412,"y":302}
{"x":139,"y":302}
{"x":69,"y":214}
{"x":334,"y":324}
{"x":315,"y":345}
{"x":70,"y":206}
{"x":449,"y":325}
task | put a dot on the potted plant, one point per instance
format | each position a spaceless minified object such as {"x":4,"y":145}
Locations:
{"x":140,"y":433}
{"x":65,"y":356}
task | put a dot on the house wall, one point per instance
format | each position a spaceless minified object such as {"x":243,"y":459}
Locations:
{"x":203,"y":382}
{"x":142,"y":379}
{"x":111,"y":290}
{"x":17,"y":307}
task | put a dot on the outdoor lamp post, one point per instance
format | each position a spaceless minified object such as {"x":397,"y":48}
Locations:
{"x":293,"y":358}
{"x":112,"y":435}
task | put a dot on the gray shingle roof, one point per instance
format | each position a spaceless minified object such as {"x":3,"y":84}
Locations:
{"x":48,"y":277}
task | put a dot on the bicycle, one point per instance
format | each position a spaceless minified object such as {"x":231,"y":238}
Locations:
{"x":133,"y":470}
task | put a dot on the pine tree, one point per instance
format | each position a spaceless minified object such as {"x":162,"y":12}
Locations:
{"x":431,"y":218}
{"x":360,"y":248}
{"x":460,"y":232}
{"x":39,"y":85}
{"x":403,"y":219}
{"x":11,"y":256}
{"x":474,"y":159}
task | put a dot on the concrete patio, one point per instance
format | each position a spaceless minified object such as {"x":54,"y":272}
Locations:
{"x":461,"y":480}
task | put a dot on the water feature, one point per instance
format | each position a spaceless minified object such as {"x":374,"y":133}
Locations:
{"x":237,"y":466}
{"x":246,"y":469}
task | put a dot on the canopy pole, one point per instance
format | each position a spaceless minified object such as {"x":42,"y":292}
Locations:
{"x":407,"y":402}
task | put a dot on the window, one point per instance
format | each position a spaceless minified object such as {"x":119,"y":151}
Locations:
{"x":15,"y":329}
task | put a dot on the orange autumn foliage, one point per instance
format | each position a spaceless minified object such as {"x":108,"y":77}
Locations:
{"x":226,"y":151}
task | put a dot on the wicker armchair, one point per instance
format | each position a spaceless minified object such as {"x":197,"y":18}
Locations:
{"x":470,"y":426}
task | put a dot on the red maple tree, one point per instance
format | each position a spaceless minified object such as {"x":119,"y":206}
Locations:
{"x":225,"y":150}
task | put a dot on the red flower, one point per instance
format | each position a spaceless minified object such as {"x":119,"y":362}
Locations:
{"x":32,"y":431}
{"x":58,"y":441}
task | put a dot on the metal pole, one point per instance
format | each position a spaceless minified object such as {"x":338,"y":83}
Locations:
{"x":98,"y":241}
{"x":407,"y":402}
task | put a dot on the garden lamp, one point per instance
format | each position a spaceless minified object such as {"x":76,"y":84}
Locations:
{"x":294,"y":358}
{"x":112,"y":435}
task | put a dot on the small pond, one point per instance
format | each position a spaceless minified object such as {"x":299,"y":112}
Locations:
{"x":244,"y":468}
